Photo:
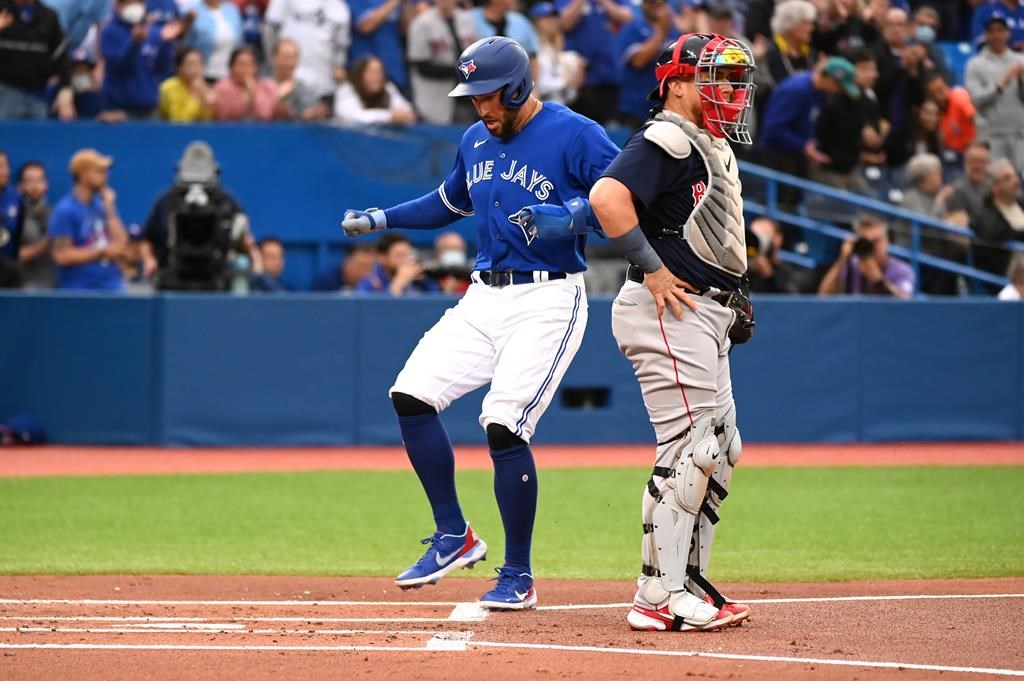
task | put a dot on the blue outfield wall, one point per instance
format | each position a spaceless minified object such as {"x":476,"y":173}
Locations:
{"x":184,"y":369}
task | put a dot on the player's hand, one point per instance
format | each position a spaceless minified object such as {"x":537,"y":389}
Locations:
{"x":543,"y":221}
{"x":359,"y":222}
{"x":670,"y":290}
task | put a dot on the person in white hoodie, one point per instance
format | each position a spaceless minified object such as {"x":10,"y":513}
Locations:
{"x":369,"y":98}
{"x":995,"y":80}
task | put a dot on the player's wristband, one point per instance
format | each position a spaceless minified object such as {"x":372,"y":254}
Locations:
{"x":638,"y":250}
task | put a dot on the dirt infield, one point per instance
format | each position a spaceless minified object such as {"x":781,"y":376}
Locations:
{"x":64,"y":460}
{"x":255,"y":628}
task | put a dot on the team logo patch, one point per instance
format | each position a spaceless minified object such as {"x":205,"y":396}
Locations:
{"x":698,"y":190}
{"x":467,"y":68}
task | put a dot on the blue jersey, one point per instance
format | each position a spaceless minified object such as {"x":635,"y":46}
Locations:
{"x":86,"y":226}
{"x":637,"y":83}
{"x":558,"y":156}
{"x":10,"y":237}
{"x":594,"y":39}
{"x":385,"y":42}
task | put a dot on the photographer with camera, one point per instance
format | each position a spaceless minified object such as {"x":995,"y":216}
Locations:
{"x":196,"y":232}
{"x":398,"y":271}
{"x":865,"y":267}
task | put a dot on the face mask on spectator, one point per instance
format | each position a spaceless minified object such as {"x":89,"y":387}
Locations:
{"x":133,"y":13}
{"x":925,"y":34}
{"x":453,"y":258}
{"x":81,"y":82}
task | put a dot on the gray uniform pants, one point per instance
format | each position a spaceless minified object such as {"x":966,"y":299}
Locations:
{"x":682,"y":365}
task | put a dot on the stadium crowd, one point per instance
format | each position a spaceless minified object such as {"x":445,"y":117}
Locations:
{"x":827,"y":67}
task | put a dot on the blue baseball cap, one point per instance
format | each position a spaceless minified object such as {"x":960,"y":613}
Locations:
{"x":543,"y":9}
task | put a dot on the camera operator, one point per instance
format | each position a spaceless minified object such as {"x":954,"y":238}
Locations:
{"x":196,"y":230}
{"x":398,"y":272}
{"x":451,"y":267}
{"x":865,"y":267}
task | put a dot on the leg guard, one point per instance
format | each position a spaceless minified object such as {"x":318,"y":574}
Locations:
{"x":671,"y":506}
{"x":718,"y":488}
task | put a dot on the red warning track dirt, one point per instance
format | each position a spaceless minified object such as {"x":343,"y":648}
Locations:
{"x":354,"y":628}
{"x":63,"y":460}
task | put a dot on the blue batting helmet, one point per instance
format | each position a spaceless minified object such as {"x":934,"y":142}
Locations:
{"x":493,"y":64}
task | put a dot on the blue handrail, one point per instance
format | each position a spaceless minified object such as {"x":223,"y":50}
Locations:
{"x":917,"y":221}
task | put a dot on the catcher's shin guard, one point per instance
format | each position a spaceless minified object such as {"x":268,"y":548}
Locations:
{"x":671,"y":504}
{"x":718,"y":488}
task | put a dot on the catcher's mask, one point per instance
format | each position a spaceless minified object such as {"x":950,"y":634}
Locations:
{"x":723,"y":71}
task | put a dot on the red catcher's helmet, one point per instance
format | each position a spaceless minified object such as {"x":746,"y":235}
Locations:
{"x":713,"y":61}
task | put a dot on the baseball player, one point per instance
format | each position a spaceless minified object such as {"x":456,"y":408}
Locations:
{"x":670,"y":202}
{"x":522,"y":319}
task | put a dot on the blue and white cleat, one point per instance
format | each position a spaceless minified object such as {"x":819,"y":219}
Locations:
{"x":514,"y":591}
{"x":446,"y":552}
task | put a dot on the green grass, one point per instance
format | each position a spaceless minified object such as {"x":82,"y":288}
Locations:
{"x":793,"y":524}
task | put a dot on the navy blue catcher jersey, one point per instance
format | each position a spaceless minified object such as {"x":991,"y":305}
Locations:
{"x":665,"y":192}
{"x":557,"y":156}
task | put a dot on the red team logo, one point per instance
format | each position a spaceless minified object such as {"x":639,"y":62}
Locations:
{"x":698,"y":190}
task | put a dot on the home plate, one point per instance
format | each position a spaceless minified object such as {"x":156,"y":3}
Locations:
{"x":449,"y":640}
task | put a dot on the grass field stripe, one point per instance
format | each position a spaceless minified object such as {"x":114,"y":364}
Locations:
{"x":283,"y":604}
{"x":754,"y":658}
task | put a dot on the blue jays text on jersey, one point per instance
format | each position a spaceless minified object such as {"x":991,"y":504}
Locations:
{"x":557,"y":156}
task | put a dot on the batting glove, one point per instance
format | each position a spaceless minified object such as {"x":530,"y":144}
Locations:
{"x":359,"y":222}
{"x":546,"y":221}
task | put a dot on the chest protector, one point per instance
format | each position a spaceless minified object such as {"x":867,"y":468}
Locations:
{"x":714,"y":229}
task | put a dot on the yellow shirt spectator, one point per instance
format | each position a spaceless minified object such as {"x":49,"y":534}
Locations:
{"x":180,"y":105}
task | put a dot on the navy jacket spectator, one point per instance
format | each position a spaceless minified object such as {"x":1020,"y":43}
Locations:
{"x":384,"y":41}
{"x":789,"y":117}
{"x":1012,"y":11}
{"x":133,"y":67}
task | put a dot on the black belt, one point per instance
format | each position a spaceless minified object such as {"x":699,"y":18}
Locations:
{"x":509,"y":277}
{"x":634,"y":273}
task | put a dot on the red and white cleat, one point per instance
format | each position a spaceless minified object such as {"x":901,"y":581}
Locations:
{"x":688,"y":613}
{"x":737,"y":611}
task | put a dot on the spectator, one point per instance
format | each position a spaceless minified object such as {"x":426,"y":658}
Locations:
{"x":437,"y":37}
{"x":321,"y":32}
{"x":196,"y":190}
{"x":452,"y":268}
{"x":842,"y":28}
{"x":787,"y":127}
{"x":272,"y":255}
{"x":840,"y":149}
{"x":1012,"y":12}
{"x":368,"y":98}
{"x":498,"y":17}
{"x":173,"y":25}
{"x":88,"y":98}
{"x":361,"y":260}
{"x":968,"y":194}
{"x":994,"y":79}
{"x":10,"y":203}
{"x":791,"y":51}
{"x":927,"y":24}
{"x":956,"y":110}
{"x":295,"y":101}
{"x":875,"y":128}
{"x":639,"y":43}
{"x":185,"y":97}
{"x":928,"y":196}
{"x":34,"y":252}
{"x":1001,"y":218}
{"x":560,"y":72}
{"x":135,"y":53}
{"x":397,"y":271}
{"x":900,"y":67}
{"x":768,"y":273}
{"x":216,"y":33}
{"x":1015,"y":273}
{"x":32,"y":52}
{"x":87,"y":233}
{"x":588,"y":27}
{"x":242,"y":95}
{"x":865,"y":267}
{"x":379,"y":25}
{"x":78,"y":17}
{"x":924,"y":136}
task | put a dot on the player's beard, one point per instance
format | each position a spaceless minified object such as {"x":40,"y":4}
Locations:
{"x":504,"y":124}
